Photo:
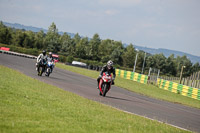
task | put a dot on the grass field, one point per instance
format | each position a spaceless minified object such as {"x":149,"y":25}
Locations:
{"x":144,"y":89}
{"x":28,"y":105}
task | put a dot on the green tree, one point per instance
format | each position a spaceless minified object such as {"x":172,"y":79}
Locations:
{"x":5,"y":34}
{"x":140,"y":59}
{"x":184,"y":61}
{"x":18,"y":38}
{"x":157,"y":61}
{"x":160,"y":61}
{"x":39,"y":40}
{"x":105,"y":50}
{"x":67,"y":45}
{"x":29,"y":39}
{"x":93,"y":46}
{"x":129,"y":56}
{"x":81,"y":48}
{"x":117,"y":52}
{"x":170,"y":66}
{"x":52,"y":39}
{"x":196,"y":67}
{"x":77,"y":38}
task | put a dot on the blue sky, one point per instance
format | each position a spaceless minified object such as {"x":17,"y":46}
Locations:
{"x":171,"y":24}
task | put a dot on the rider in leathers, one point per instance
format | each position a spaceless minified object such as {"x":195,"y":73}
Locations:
{"x":50,"y":58}
{"x":107,"y":68}
{"x":41,"y":57}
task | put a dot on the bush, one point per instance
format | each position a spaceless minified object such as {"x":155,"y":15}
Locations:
{"x":70,"y":59}
{"x":116,"y":66}
{"x":62,"y":58}
{"x":125,"y":68}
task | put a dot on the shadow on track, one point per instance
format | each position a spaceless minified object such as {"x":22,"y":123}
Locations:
{"x":119,"y":98}
{"x":59,"y":79}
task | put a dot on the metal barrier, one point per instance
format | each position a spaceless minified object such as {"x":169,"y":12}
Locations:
{"x":18,"y":54}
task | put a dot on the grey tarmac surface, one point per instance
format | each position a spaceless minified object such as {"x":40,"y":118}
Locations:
{"x":174,"y":114}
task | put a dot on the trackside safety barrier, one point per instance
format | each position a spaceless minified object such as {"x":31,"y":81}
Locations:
{"x":132,"y":76}
{"x":18,"y":54}
{"x":179,"y":88}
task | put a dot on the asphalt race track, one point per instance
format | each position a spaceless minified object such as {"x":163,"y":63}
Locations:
{"x":174,"y":114}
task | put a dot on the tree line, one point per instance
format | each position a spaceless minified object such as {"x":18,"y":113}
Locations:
{"x":95,"y":49}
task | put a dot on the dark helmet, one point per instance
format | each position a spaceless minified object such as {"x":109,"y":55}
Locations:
{"x":44,"y":52}
{"x":109,"y":64}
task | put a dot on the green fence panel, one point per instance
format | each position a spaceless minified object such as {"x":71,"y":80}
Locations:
{"x":170,"y":86}
{"x":189,"y":94}
{"x":145,"y":79}
{"x":179,"y":89}
{"x":163,"y":85}
{"x":198,"y":94}
{"x":132,"y":75}
{"x":125,"y":74}
{"x":139,"y":77}
{"x":119,"y":72}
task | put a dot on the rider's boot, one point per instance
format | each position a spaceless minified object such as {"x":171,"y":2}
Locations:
{"x":36,"y":66}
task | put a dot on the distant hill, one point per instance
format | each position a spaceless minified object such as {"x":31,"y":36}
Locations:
{"x":166,"y":52}
{"x":34,"y":29}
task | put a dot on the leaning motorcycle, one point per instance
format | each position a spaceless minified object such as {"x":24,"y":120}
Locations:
{"x":42,"y":67}
{"x":49,"y":68}
{"x":105,"y":84}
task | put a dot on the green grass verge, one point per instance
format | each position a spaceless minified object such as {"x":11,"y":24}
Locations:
{"x":144,"y":89}
{"x":29,"y":105}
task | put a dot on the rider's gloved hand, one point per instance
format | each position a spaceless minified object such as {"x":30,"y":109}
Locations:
{"x":100,"y":76}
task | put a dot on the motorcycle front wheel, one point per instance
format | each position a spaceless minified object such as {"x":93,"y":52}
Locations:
{"x":48,"y":72}
{"x":39,"y":71}
{"x":104,"y":87}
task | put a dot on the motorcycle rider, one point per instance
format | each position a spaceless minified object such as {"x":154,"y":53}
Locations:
{"x":107,"y":68}
{"x":41,"y":57}
{"x":50,"y":58}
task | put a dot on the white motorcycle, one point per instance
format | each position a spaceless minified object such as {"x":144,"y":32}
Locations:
{"x":49,"y":67}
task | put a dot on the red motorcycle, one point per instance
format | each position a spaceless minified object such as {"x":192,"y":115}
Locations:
{"x":105,"y":84}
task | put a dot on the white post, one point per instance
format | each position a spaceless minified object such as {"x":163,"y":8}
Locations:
{"x":181,"y":74}
{"x":149,"y":75}
{"x":135,"y":62}
{"x":143,"y":62}
{"x":158,"y":75}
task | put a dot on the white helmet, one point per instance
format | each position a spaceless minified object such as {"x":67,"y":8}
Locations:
{"x":109,"y":64}
{"x":50,"y":54}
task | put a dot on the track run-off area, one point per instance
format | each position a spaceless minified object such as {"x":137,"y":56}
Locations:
{"x":170,"y":113}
